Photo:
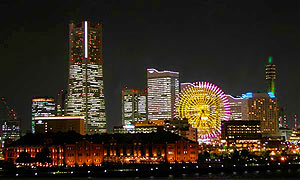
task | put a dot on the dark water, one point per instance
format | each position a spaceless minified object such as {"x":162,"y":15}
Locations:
{"x":94,"y":178}
{"x":290,"y":173}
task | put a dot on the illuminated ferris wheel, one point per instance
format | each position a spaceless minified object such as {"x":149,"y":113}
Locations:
{"x":205,"y":106}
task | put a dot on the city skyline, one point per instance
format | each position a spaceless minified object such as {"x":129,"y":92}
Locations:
{"x":231,"y":56}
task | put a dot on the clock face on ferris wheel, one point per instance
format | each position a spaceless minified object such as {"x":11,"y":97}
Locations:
{"x":204,"y":105}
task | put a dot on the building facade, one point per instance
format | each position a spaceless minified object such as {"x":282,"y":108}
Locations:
{"x":147,"y":126}
{"x":59,"y":124}
{"x":242,"y":134}
{"x":163,"y":88}
{"x":86,"y":89}
{"x":263,"y":107}
{"x":236,"y":107}
{"x":241,"y":130}
{"x":134,"y":106}
{"x":61,"y":102}
{"x":151,"y":148}
{"x":42,"y":107}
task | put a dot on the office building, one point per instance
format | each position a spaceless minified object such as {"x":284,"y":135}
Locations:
{"x":163,"y":88}
{"x":241,"y":130}
{"x":263,"y":107}
{"x":42,"y":107}
{"x":271,"y":75}
{"x":242,"y":133}
{"x":59,"y":124}
{"x":86,"y":90}
{"x":236,"y":107}
{"x":134,"y":106}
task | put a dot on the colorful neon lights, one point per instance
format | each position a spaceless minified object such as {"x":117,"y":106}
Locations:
{"x":270,"y":59}
{"x":205,"y":106}
{"x":248,"y":95}
{"x":271,"y":95}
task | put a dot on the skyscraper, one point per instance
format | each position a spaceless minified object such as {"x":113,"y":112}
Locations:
{"x":163,"y":88}
{"x":42,"y":107}
{"x":271,"y":75}
{"x":86,"y":90}
{"x":134,"y":106}
{"x":263,"y":107}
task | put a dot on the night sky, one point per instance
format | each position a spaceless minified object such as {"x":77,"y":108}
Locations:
{"x":223,"y":42}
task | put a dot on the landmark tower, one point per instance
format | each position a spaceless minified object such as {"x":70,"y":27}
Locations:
{"x":86,"y":90}
{"x":271,"y":75}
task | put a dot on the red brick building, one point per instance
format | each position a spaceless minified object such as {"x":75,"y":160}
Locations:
{"x":73,"y":149}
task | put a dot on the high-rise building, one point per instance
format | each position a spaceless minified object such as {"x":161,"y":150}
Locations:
{"x":271,"y":75}
{"x":134,"y":106}
{"x":163,"y":88}
{"x":86,"y":90}
{"x":236,"y":107}
{"x":61,"y":102}
{"x":9,"y":123}
{"x":42,"y":107}
{"x":263,"y":107}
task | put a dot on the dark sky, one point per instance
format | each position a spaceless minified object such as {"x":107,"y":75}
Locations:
{"x":224,"y":42}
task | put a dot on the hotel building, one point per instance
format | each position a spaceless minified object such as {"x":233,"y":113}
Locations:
{"x":163,"y":88}
{"x":86,"y":90}
{"x":263,"y":107}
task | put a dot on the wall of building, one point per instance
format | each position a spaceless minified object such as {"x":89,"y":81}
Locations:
{"x":87,"y":153}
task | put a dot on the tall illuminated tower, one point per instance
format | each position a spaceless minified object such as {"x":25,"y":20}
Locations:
{"x":271,"y":75}
{"x":86,"y":90}
{"x":163,"y":88}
